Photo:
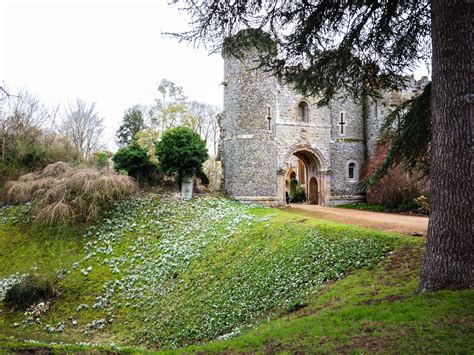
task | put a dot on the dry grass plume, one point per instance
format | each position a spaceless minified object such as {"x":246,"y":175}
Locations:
{"x":61,"y":193}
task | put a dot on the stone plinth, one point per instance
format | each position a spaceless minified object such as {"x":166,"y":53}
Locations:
{"x":187,"y":188}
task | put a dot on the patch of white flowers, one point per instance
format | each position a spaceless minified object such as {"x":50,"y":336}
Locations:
{"x":198,"y":270}
{"x":164,"y":280}
{"x":98,"y":324}
{"x":9,"y":282}
{"x":13,"y":214}
{"x":59,"y":328}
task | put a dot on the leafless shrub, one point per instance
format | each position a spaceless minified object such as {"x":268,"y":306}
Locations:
{"x":62,"y":193}
{"x":397,"y":187}
{"x":84,"y":127}
{"x":213,"y":170}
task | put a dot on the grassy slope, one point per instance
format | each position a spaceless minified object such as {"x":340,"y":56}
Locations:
{"x":367,"y":310}
{"x":26,"y":247}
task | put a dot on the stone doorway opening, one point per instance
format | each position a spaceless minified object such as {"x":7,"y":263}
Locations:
{"x":296,"y":180}
{"x":305,"y":177}
{"x":313,"y":191}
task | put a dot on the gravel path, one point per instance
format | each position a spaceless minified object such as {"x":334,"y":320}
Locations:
{"x":411,"y":225}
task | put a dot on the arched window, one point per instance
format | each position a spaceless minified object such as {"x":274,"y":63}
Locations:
{"x":352,"y":171}
{"x":303,"y":112}
{"x":352,"y":167}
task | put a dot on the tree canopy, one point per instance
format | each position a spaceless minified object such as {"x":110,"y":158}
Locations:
{"x":133,"y":122}
{"x":324,"y":46}
{"x":84,"y":127}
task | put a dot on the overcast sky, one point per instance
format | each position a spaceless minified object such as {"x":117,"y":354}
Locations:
{"x":109,"y":52}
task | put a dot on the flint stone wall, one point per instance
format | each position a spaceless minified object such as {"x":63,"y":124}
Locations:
{"x":254,"y":150}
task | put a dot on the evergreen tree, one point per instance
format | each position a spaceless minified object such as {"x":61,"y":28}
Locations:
{"x":135,"y":161}
{"x":181,"y":152}
{"x":132,"y":123}
{"x":408,"y":131}
{"x":363,"y":47}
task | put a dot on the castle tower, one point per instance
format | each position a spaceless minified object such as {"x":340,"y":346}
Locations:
{"x":248,"y":150}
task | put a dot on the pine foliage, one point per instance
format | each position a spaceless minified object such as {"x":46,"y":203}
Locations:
{"x":324,"y":46}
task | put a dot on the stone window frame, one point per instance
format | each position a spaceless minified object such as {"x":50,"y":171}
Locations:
{"x":307,"y":115}
{"x":356,"y":177}
{"x":338,"y":120}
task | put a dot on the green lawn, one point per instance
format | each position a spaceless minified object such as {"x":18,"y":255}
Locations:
{"x":26,"y":247}
{"x":215,"y":275}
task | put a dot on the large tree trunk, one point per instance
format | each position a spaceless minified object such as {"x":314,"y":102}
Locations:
{"x":449,"y":257}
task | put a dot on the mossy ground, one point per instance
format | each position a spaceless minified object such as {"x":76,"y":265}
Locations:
{"x":373,"y":307}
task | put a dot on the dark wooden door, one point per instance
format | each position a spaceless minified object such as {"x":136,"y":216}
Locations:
{"x":313,"y":191}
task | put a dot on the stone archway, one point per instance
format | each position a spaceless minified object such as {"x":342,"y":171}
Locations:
{"x":316,"y":171}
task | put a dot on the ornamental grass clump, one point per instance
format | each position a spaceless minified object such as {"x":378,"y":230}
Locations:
{"x":61,"y":193}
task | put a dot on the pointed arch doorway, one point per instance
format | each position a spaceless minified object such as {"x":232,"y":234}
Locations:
{"x":315,"y":183}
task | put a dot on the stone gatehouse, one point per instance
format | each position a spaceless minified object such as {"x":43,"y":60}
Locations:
{"x":272,"y":137}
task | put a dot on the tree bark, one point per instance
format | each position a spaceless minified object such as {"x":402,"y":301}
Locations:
{"x":449,"y":256}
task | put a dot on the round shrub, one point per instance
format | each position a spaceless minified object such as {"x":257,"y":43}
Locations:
{"x":135,"y":161}
{"x":31,"y":290}
{"x":181,"y":152}
{"x":101,"y":159}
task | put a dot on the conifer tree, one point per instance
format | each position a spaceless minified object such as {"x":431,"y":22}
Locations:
{"x":362,"y":47}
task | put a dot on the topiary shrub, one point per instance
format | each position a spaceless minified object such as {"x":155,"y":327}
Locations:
{"x":181,"y":152}
{"x":31,"y":290}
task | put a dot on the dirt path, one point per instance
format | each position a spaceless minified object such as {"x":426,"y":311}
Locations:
{"x":411,"y":225}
